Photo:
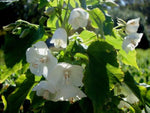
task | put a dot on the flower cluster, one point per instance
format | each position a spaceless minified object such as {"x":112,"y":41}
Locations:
{"x":133,"y":38}
{"x":63,"y":80}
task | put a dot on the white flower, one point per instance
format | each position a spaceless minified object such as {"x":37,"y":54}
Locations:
{"x":132,"y":26}
{"x":45,"y":89}
{"x":40,"y":59}
{"x":63,"y":93}
{"x":131,"y":41}
{"x":59,"y":38}
{"x":69,"y":93}
{"x":62,"y":84}
{"x":65,"y":73}
{"x":78,"y":18}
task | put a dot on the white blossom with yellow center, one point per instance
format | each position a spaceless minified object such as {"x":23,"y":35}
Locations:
{"x":40,"y":58}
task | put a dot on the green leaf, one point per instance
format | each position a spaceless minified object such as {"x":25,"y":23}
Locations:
{"x":83,"y":3}
{"x":115,"y":75}
{"x":97,"y":17}
{"x":82,"y":56}
{"x":51,"y":22}
{"x":88,"y":37}
{"x":15,"y":47}
{"x":20,"y":80}
{"x":16,"y":98}
{"x":43,"y":3}
{"x":96,"y":78}
{"x":116,"y":41}
{"x":9,"y":71}
{"x":91,"y":2}
{"x":74,"y":3}
{"x":129,"y":80}
{"x":108,"y":25}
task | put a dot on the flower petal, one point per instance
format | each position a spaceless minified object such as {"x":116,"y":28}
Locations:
{"x":76,"y":75}
{"x":69,"y":93}
{"x":131,"y":41}
{"x":59,"y":38}
{"x":132,"y":26}
{"x":40,"y":58}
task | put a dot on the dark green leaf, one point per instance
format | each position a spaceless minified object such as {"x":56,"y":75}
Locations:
{"x":16,"y":98}
{"x":128,"y":79}
{"x":15,"y":47}
{"x":108,"y":25}
{"x":43,"y":3}
{"x":96,"y":78}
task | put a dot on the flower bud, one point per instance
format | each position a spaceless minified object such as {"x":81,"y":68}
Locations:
{"x":78,"y":18}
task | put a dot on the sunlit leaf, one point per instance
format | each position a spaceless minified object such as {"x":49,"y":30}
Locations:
{"x":97,"y":17}
{"x":9,"y":71}
{"x":88,"y":37}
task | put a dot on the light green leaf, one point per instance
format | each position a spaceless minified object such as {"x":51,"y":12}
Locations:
{"x":88,"y":37}
{"x":80,"y":55}
{"x":4,"y":102}
{"x":20,"y":80}
{"x":92,"y":2}
{"x":51,"y":22}
{"x":9,"y":71}
{"x":74,"y":3}
{"x":97,"y":17}
{"x":115,"y":75}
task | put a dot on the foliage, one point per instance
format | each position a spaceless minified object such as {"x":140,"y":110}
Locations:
{"x":96,"y":47}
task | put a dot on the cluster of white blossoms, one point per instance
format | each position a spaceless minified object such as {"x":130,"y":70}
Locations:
{"x":62,"y":80}
{"x":133,"y":38}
